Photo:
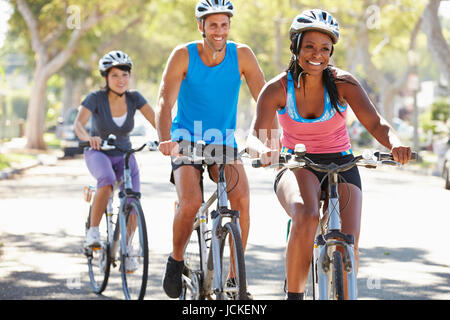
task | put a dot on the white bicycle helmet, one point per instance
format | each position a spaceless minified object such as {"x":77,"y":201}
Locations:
{"x":113,"y":59}
{"x":316,"y":19}
{"x":207,"y":7}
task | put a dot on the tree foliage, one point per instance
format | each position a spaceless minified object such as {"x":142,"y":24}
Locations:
{"x":376,"y":36}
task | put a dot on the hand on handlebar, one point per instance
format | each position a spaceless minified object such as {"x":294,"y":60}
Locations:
{"x":269,"y":157}
{"x":401,"y":154}
{"x":169,"y":148}
{"x":95,"y":142}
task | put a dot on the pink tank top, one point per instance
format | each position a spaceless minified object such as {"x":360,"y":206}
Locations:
{"x":326,"y":134}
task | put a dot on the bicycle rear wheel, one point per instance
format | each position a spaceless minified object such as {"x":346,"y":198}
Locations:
{"x":134,"y":251}
{"x":98,"y":258}
{"x":338,"y":276}
{"x":233,"y":277}
{"x":192,"y":274}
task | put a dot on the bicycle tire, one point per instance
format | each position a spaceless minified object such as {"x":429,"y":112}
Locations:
{"x":99,"y":259}
{"x":231,"y":236}
{"x":338,"y":276}
{"x":134,"y":245}
{"x":193,"y":268}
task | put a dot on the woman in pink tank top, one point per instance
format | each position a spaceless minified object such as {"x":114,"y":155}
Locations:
{"x":311,"y":102}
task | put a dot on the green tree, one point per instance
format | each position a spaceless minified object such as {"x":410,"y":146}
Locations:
{"x":54,"y":29}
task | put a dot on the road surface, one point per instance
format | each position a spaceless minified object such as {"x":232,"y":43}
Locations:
{"x":403,"y":246}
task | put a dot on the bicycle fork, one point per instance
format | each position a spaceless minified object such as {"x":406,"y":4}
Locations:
{"x":325,"y":248}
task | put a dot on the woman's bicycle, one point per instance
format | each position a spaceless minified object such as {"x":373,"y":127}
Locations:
{"x":214,"y":256}
{"x":333,"y":267}
{"x":128,"y":231}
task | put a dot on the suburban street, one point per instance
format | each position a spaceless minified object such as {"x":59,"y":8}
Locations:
{"x":403,"y":247}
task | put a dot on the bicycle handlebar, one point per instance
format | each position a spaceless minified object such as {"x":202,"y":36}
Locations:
{"x":110,"y":144}
{"x":199,"y":152}
{"x":368,"y":159}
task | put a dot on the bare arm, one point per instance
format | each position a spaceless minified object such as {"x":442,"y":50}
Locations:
{"x":173,"y":75}
{"x":262,"y":138}
{"x":148,"y":114}
{"x":369,"y":117}
{"x":250,"y":69}
{"x":79,"y":127}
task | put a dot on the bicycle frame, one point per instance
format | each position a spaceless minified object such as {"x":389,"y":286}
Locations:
{"x":211,"y":257}
{"x":328,"y":241}
{"x":113,"y":237}
{"x":125,"y":226}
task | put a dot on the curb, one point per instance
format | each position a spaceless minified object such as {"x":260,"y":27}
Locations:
{"x":9,"y":172}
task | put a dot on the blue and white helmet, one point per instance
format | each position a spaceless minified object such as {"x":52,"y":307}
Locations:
{"x":316,"y":19}
{"x":113,"y":59}
{"x":207,"y":7}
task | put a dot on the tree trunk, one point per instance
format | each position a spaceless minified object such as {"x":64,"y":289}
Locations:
{"x":36,"y":111}
{"x":435,"y":40}
{"x":71,"y":95}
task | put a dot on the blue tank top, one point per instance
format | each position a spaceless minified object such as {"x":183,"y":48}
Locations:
{"x":207,"y":100}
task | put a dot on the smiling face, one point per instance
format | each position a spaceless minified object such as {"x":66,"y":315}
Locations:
{"x":315,"y":52}
{"x":216,"y":29}
{"x":118,"y":80}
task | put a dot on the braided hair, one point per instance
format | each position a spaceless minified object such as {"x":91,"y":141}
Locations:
{"x":327,"y":76}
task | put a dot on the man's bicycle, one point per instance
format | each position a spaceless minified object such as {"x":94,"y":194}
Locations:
{"x":127,"y":231}
{"x":214,"y":256}
{"x":333,"y":267}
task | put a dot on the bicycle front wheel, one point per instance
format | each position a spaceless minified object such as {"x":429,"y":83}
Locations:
{"x":98,"y":258}
{"x":192,"y":274}
{"x":134,"y":251}
{"x":233,"y":277}
{"x":338,"y":276}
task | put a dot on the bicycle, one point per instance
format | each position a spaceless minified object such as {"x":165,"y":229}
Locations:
{"x":333,"y":253}
{"x":128,"y":231}
{"x":214,"y":249}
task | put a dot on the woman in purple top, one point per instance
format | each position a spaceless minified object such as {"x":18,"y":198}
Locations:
{"x":112,"y":110}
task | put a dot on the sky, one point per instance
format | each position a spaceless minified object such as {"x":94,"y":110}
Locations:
{"x":5,"y":13}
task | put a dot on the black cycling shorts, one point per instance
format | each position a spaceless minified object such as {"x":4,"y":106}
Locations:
{"x":350,"y":176}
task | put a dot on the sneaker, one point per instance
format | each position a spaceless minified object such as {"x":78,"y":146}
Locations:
{"x":131,"y":263}
{"x":231,"y":283}
{"x":93,"y":237}
{"x":172,"y":283}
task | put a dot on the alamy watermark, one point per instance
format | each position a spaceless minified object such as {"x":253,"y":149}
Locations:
{"x":373,"y":15}
{"x":74,"y":17}
{"x":373,"y":283}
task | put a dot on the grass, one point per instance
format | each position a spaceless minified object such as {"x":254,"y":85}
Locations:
{"x":52,"y":141}
{"x":10,"y":159}
{"x":16,"y":158}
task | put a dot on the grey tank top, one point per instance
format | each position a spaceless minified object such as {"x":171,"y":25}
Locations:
{"x":102,"y":122}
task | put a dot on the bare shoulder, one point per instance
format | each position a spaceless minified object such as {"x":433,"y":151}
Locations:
{"x":343,"y":76}
{"x":244,"y":51}
{"x":274,"y":90}
{"x":178,"y":61}
{"x":180,"y":52}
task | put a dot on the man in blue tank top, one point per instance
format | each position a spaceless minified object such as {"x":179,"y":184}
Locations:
{"x":204,"y":77}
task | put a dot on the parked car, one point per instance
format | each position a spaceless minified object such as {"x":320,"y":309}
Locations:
{"x":69,"y":140}
{"x":446,"y":169}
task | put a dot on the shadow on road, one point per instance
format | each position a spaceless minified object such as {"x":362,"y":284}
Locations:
{"x":51,"y":266}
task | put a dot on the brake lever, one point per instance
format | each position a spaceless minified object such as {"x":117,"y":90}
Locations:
{"x":152,"y":145}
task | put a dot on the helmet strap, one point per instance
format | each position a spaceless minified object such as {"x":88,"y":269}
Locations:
{"x":116,"y":93}
{"x":209,"y":44}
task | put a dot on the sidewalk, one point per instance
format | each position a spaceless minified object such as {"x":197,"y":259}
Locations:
{"x":40,"y":157}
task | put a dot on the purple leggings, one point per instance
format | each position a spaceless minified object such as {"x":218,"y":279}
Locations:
{"x":109,"y":169}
